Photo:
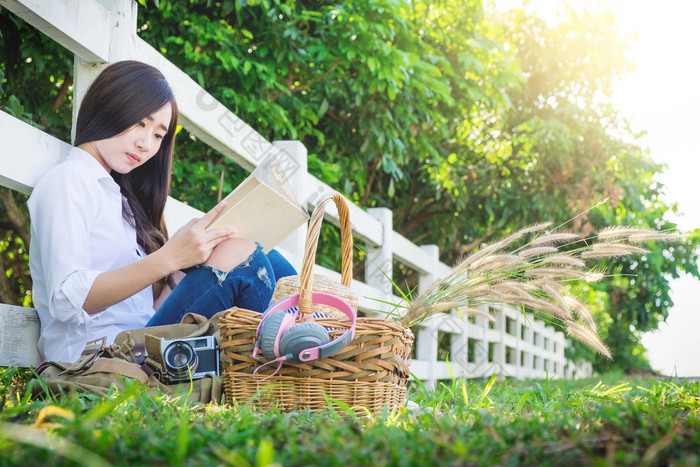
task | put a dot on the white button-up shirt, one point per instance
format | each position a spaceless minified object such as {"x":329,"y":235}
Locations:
{"x":78,"y":232}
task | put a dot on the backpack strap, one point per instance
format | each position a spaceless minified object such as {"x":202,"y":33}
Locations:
{"x":118,"y":367}
{"x":93,"y":351}
{"x":155,"y":355}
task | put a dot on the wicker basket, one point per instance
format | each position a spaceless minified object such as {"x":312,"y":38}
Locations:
{"x":370,"y":374}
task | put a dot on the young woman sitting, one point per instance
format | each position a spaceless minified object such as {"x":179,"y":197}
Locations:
{"x":100,"y":256}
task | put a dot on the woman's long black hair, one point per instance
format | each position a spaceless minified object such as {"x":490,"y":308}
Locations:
{"x":122,"y":95}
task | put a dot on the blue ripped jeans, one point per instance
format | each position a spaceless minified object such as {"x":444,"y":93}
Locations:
{"x":206,"y":290}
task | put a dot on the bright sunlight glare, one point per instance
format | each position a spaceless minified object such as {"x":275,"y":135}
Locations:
{"x":662,"y":97}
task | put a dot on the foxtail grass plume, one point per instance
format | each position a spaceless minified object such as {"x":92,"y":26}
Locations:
{"x":531,"y":277}
{"x":538,"y":251}
{"x":634,"y":234}
{"x":587,"y":336}
{"x":612,"y":250}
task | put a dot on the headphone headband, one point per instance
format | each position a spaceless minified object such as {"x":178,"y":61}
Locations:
{"x":325,"y":350}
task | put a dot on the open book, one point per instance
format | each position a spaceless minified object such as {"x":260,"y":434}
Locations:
{"x":263,"y":207}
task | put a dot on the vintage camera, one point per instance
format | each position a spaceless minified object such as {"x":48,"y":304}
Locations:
{"x":195,"y":356}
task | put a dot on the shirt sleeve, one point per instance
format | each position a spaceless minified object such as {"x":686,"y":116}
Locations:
{"x":61,"y":211}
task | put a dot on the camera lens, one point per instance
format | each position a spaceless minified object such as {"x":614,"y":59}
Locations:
{"x":178,"y":357}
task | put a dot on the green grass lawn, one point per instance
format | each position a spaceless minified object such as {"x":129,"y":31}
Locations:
{"x":611,"y":420}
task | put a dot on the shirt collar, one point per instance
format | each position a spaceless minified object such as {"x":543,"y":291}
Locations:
{"x":94,"y":168}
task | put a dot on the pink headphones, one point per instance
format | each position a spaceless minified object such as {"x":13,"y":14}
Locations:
{"x":281,"y":338}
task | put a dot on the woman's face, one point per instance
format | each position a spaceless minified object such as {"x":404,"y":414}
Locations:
{"x":134,"y":147}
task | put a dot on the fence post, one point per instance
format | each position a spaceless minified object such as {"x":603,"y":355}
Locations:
{"x":499,"y":354}
{"x":481,"y":347}
{"x":526,"y":346}
{"x":296,"y":175}
{"x":518,"y":345}
{"x":427,"y":338}
{"x":122,"y":18}
{"x":379,"y":263}
{"x":458,"y":347}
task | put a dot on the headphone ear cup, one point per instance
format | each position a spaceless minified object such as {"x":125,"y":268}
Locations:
{"x":301,"y":337}
{"x":268,"y":332}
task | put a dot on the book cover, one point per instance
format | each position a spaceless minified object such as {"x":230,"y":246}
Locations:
{"x":263,"y":207}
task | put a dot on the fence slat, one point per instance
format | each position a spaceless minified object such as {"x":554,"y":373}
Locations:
{"x":19,"y":328}
{"x":27,"y":153}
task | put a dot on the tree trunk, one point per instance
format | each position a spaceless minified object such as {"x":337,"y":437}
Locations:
{"x":17,"y":215}
{"x":16,"y":218}
{"x":7,"y":293}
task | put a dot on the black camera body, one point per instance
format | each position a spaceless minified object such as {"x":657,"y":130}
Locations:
{"x":190,"y":358}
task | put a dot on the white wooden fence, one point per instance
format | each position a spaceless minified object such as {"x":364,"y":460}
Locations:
{"x":99,"y":32}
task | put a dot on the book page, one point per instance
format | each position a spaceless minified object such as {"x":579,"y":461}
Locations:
{"x":263,"y":207}
{"x":271,"y":172}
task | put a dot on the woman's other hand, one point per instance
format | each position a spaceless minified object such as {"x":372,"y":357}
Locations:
{"x":192,"y":243}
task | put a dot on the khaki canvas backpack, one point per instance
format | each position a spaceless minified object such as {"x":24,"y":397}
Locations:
{"x":134,"y":355}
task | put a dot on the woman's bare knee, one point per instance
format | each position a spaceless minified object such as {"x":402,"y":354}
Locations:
{"x":230,"y":253}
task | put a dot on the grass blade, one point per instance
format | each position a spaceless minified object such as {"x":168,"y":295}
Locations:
{"x":487,"y":389}
{"x":522,"y":402}
{"x":465,"y":394}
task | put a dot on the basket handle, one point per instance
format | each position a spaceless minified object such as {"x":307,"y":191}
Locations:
{"x":306,"y":281}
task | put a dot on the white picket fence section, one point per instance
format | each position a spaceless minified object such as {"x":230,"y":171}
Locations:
{"x":99,"y":32}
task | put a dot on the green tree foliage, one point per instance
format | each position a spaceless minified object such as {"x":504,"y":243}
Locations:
{"x":467,"y":124}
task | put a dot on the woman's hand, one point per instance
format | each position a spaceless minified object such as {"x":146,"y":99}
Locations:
{"x":192,"y":244}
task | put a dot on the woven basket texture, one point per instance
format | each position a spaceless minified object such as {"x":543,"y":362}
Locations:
{"x":290,"y":393}
{"x":370,"y":373}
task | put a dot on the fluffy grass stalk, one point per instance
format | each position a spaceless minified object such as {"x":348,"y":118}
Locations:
{"x":558,"y":299}
{"x":587,"y":336}
{"x":538,"y":251}
{"x":540,"y":283}
{"x":616,"y":232}
{"x":560,"y":273}
{"x":498,"y":263}
{"x":594,"y":275}
{"x":513,"y":288}
{"x":612,"y":250}
{"x":554,"y":238}
{"x":659,"y":237}
{"x":582,"y":312}
{"x":563,"y":260}
{"x":530,"y":276}
{"x":633,"y":234}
